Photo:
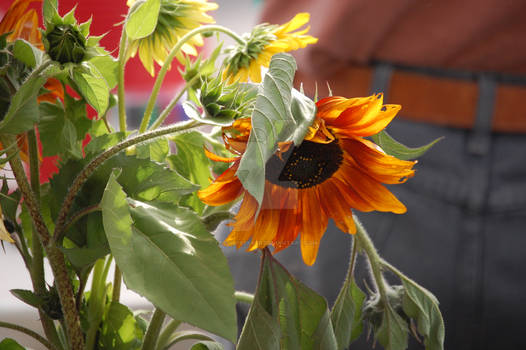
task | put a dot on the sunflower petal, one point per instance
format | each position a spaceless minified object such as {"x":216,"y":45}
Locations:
{"x":314,"y":225}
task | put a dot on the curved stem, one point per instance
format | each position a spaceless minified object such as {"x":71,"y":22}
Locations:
{"x":166,"y":111}
{"x":150,"y":338}
{"x":101,"y":158}
{"x":374,"y":259}
{"x":244,"y":297}
{"x":29,"y":332}
{"x":78,"y":215}
{"x":120,"y":88}
{"x":164,"y":69}
{"x":164,"y":337}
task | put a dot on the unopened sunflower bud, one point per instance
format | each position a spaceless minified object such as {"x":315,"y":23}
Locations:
{"x":65,"y":44}
{"x":374,"y":307}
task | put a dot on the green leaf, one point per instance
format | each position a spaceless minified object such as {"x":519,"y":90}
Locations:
{"x":22,"y":113}
{"x":10,"y":344}
{"x":273,"y":121}
{"x":27,"y":297}
{"x":187,"y":335}
{"x":103,"y":142}
{"x":192,"y":163}
{"x":207,"y":345}
{"x":398,"y":150}
{"x":421,"y":305}
{"x":27,"y":53}
{"x":93,"y":87}
{"x":120,"y":330}
{"x":143,"y":19}
{"x":156,"y":150}
{"x":393,"y":332}
{"x":346,"y":314}
{"x":286,"y":314}
{"x":108,"y":66}
{"x":52,"y":118}
{"x":172,"y":251}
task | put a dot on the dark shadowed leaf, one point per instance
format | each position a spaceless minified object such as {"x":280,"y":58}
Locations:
{"x":346,"y":314}
{"x":286,"y":314}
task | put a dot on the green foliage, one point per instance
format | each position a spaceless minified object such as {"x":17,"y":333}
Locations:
{"x":286,"y":314}
{"x":27,"y":53}
{"x":172,"y":251}
{"x":10,"y":344}
{"x":120,"y":329}
{"x":27,"y":297}
{"x":393,"y":332}
{"x":142,"y":19}
{"x":273,"y":122}
{"x":346,"y":314}
{"x":207,"y":345}
{"x":93,"y":87}
{"x":400,"y":151}
{"x":422,"y":306}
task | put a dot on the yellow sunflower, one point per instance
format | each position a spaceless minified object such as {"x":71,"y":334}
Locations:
{"x":176,"y":18}
{"x":265,"y":41}
{"x":334,"y":170}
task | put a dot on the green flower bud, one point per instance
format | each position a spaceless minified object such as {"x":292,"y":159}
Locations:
{"x":65,"y":44}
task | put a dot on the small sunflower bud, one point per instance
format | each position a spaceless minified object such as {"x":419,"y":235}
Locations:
{"x":66,"y":44}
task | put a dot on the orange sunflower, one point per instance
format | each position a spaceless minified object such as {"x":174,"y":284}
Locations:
{"x":334,"y":170}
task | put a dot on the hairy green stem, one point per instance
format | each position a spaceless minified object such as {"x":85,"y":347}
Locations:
{"x":101,"y":158}
{"x":367,"y":245}
{"x":244,"y":297}
{"x":80,"y":214}
{"x":166,"y":111}
{"x":29,"y":332}
{"x":120,"y":89}
{"x":97,"y":300}
{"x":164,"y":337}
{"x":55,"y":256}
{"x":152,"y":334}
{"x":37,"y":262}
{"x":164,"y":69}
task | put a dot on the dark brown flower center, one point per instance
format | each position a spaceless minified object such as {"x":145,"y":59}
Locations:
{"x":305,"y":166}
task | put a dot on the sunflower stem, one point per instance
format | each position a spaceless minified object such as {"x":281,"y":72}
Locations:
{"x":117,"y":283}
{"x":164,"y":337}
{"x":152,"y":334}
{"x":167,"y":62}
{"x":120,"y":89}
{"x":37,"y":262}
{"x":166,"y":111}
{"x":54,"y":254}
{"x":101,"y":158}
{"x":375,"y":260}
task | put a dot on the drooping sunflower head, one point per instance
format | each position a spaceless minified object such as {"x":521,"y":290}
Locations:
{"x":265,"y":40}
{"x":22,"y":23}
{"x":176,"y":18}
{"x":335,"y":169}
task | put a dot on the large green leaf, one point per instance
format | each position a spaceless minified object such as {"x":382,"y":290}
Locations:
{"x":176,"y":263}
{"x":143,"y":19}
{"x":286,"y":314}
{"x":398,"y":150}
{"x":108,"y":66}
{"x":421,"y":305}
{"x":273,"y":121}
{"x":346,"y":314}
